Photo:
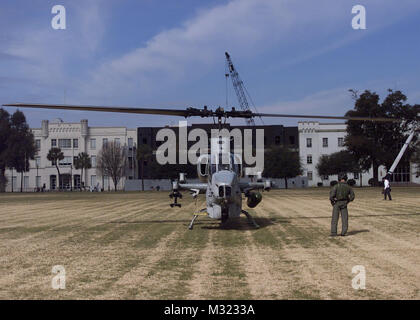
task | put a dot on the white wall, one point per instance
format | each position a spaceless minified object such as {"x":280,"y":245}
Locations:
{"x":81,"y":131}
{"x":317,"y":131}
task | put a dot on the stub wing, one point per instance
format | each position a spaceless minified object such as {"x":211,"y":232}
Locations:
{"x":202,"y":187}
{"x":248,"y":186}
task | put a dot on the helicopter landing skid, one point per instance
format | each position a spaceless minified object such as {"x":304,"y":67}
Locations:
{"x":250,"y":219}
{"x":190,"y":227}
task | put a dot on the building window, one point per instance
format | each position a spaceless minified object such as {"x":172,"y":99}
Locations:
{"x":64,"y":143}
{"x":14,"y":183}
{"x":117,"y":141}
{"x":309,"y":159}
{"x":277,"y":140}
{"x":104,"y":141}
{"x":66,"y":161}
{"x":38,"y":181}
{"x":291,"y":140}
{"x":325,"y":142}
{"x":341,"y":142}
{"x":356,"y":175}
{"x":106,"y":183}
{"x":75,"y":143}
{"x":130,"y":142}
{"x":37,"y":162}
{"x":38,"y":144}
{"x":401,"y":173}
{"x":310,"y":175}
{"x":93,"y":161}
{"x":144,"y":141}
{"x":93,"y":181}
{"x":93,"y":144}
{"x":309,"y":142}
{"x":26,"y":182}
{"x":53,"y":143}
{"x":325,"y":177}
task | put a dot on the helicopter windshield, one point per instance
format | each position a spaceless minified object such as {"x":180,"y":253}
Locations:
{"x":229,"y":164}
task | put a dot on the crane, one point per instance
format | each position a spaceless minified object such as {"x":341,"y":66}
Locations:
{"x":410,"y":137}
{"x":240,"y":89}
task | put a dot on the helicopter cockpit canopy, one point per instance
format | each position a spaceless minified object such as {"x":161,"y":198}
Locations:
{"x":225,"y":162}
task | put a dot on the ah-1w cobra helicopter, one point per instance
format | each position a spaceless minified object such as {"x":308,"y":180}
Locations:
{"x":220,"y":180}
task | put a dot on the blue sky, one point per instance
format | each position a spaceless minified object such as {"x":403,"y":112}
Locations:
{"x":294,"y":56}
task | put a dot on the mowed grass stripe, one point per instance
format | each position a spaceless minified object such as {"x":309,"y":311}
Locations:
{"x":59,"y":252}
{"x":137,"y":247}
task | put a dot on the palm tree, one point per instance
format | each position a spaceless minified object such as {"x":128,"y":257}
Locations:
{"x":144,"y":153}
{"x":82,"y":162}
{"x":55,"y":155}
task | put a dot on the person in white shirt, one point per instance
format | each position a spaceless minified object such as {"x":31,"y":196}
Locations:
{"x":387,"y":188}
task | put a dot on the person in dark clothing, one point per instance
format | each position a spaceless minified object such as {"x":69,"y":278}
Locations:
{"x":340,"y":195}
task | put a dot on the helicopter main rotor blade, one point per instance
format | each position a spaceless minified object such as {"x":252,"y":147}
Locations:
{"x":191,"y":112}
{"x":169,"y":112}
{"x":326,"y":117}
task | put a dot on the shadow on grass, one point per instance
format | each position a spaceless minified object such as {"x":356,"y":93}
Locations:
{"x":352,"y":233}
{"x":356,"y":216}
{"x":163,"y":221}
{"x":243,"y":224}
{"x":206,"y":223}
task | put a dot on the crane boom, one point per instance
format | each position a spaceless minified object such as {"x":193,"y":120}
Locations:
{"x":402,"y":151}
{"x":238,"y":85}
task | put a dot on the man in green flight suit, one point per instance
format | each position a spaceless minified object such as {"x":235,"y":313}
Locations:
{"x":340,"y":195}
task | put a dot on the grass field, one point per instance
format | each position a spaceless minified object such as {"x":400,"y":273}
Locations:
{"x":134,"y":246}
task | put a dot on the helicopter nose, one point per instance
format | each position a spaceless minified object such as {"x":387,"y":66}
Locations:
{"x":223,"y":181}
{"x":225,"y":191}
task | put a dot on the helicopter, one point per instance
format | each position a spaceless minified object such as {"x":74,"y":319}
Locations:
{"x":220,"y":171}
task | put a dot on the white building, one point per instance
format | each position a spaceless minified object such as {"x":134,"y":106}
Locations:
{"x":72,"y":139}
{"x":317,"y":139}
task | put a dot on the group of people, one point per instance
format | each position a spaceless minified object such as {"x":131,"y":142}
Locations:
{"x":340,"y":195}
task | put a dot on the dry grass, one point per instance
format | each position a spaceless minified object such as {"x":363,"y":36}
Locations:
{"x":134,"y":246}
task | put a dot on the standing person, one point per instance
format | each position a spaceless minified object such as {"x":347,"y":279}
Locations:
{"x":340,"y":195}
{"x":387,"y":188}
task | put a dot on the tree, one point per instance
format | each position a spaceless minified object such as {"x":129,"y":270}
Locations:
{"x":21,"y":145}
{"x":377,"y":143}
{"x":82,"y":162}
{"x":283,"y":163}
{"x":55,"y":155}
{"x":4,"y":136}
{"x":144,"y":154}
{"x":333,"y":164}
{"x":323,"y":166}
{"x":112,"y":162}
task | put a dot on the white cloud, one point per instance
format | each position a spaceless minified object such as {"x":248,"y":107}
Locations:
{"x":323,"y":103}
{"x":295,"y":29}
{"x":299,"y":30}
{"x":44,"y":56}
